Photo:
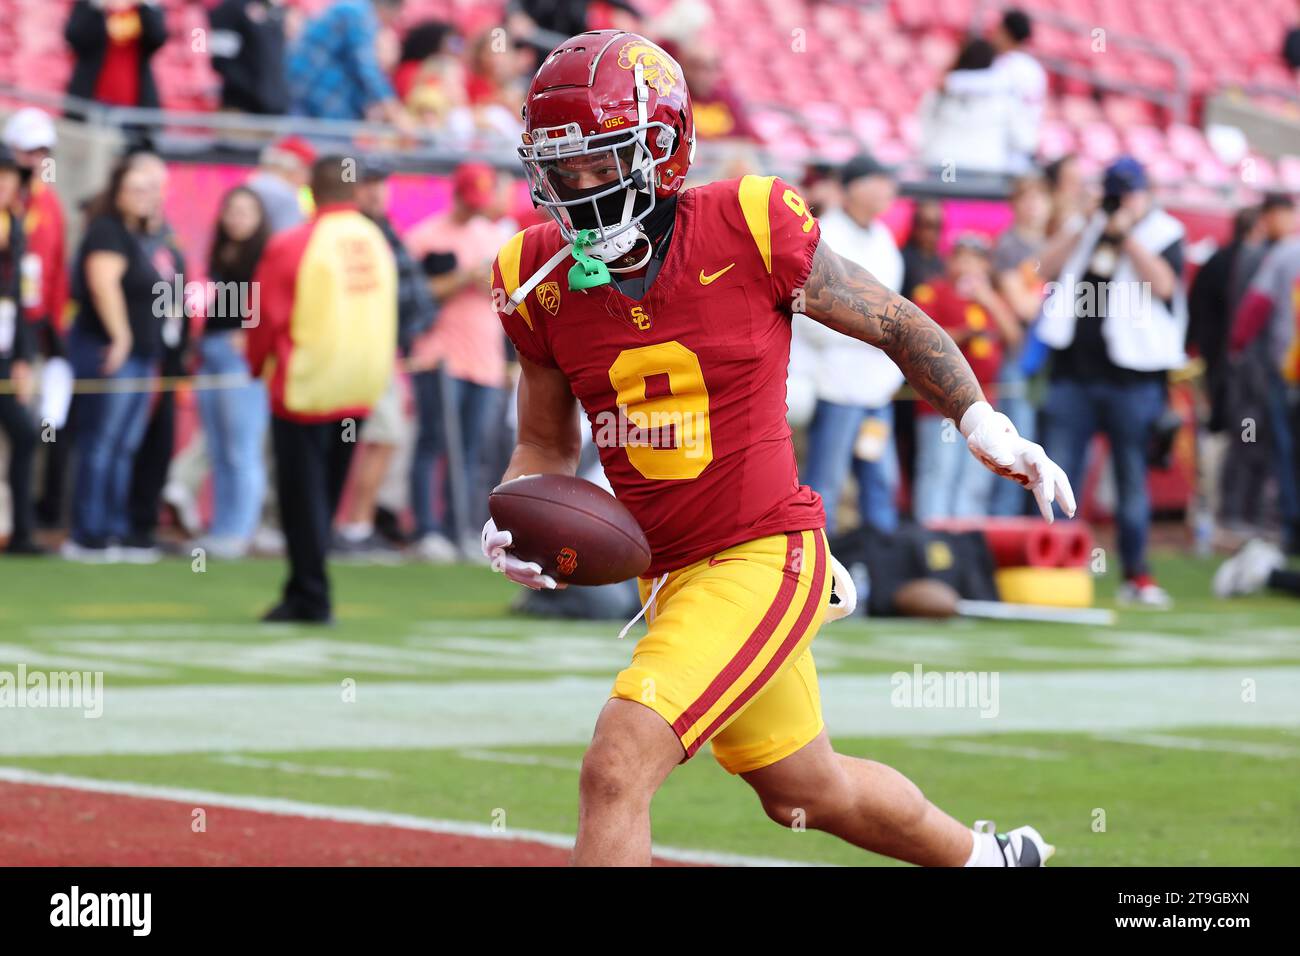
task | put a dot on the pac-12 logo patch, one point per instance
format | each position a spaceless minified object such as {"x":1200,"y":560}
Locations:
{"x":548,"y":294}
{"x":566,"y":562}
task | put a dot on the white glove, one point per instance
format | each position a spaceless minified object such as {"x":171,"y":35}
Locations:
{"x":496,"y":547}
{"x":992,"y":439}
{"x":844,"y":590}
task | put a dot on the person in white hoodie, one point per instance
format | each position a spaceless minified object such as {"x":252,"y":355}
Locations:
{"x":852,"y":425}
{"x":1026,"y":83}
{"x":972,"y":123}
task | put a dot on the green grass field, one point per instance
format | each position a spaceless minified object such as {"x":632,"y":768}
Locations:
{"x":1170,"y":738}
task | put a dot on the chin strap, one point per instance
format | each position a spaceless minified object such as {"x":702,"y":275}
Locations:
{"x":587,"y":273}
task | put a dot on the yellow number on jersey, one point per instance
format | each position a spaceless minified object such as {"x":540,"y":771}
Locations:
{"x":799,"y":208}
{"x":682,"y":413}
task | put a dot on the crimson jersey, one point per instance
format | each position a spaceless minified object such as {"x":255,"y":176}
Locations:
{"x":684,"y":390}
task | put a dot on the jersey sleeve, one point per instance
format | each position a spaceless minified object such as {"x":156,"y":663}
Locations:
{"x":785,"y":232}
{"x":522,"y":323}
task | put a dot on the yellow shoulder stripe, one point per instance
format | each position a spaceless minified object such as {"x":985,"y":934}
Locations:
{"x":508,"y":260}
{"x":755,"y":192}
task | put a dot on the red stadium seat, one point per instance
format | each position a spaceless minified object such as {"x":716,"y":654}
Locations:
{"x":863,"y":71}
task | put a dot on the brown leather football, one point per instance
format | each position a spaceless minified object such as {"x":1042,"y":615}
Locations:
{"x":926,"y":597}
{"x":577,"y":531}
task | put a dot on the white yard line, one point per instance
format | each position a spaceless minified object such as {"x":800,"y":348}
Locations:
{"x":315,"y":811}
{"x":11,"y":654}
{"x":987,"y":750}
{"x":280,"y":719}
{"x":302,"y":769}
{"x":1170,"y":742}
{"x":428,"y":650}
{"x":526,"y":760}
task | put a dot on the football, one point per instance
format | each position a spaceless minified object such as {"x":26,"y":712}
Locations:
{"x":926,"y":597}
{"x":578,"y":532}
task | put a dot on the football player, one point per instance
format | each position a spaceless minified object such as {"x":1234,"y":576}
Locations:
{"x":665,"y":312}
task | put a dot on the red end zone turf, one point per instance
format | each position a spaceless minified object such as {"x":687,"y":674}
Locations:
{"x":55,"y":826}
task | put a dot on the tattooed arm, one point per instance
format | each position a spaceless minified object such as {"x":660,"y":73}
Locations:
{"x":847,"y":298}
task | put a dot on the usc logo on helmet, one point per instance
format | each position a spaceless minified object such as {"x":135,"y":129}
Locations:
{"x":656,"y":66}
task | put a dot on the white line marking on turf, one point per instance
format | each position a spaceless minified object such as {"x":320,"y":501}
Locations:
{"x":527,"y":760}
{"x":62,"y":660}
{"x":277,"y":719}
{"x":1170,"y":742}
{"x":987,"y":750}
{"x":305,"y":769}
{"x":316,"y":811}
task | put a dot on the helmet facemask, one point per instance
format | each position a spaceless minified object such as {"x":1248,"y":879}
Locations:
{"x":610,"y":214}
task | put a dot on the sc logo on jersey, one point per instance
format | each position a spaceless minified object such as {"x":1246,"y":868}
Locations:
{"x":640,"y":318}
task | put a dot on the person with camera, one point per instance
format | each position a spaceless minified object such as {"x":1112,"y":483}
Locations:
{"x":1116,"y":320}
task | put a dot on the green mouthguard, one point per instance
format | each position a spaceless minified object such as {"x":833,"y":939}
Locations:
{"x":587,"y":273}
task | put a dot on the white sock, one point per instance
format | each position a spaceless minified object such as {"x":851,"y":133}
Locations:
{"x":985,"y":851}
{"x":356,"y":532}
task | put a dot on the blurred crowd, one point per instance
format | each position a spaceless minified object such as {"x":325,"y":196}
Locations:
{"x":365,"y":60}
{"x":139,"y":326}
{"x":1073,"y":318}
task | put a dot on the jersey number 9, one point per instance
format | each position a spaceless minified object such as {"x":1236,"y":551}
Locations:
{"x":667,"y":431}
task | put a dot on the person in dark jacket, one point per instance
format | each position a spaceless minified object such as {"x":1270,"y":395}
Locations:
{"x":149,"y":471}
{"x":1212,"y":301}
{"x":116,"y":343}
{"x":113,"y":42}
{"x":247,"y":48}
{"x":1228,"y":488}
{"x":17,"y":347}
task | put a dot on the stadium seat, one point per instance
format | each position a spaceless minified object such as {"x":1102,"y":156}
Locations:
{"x":863,"y":75}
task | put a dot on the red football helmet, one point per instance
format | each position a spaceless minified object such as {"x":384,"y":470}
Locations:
{"x":602,"y":95}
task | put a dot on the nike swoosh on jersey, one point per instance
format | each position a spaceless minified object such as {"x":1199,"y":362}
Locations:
{"x":705,"y":280}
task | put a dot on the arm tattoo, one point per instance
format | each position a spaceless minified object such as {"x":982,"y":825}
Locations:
{"x":847,"y":298}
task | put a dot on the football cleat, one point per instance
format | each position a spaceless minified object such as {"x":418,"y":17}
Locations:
{"x":1023,"y":846}
{"x":1248,"y":570}
{"x":1147,"y":595}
